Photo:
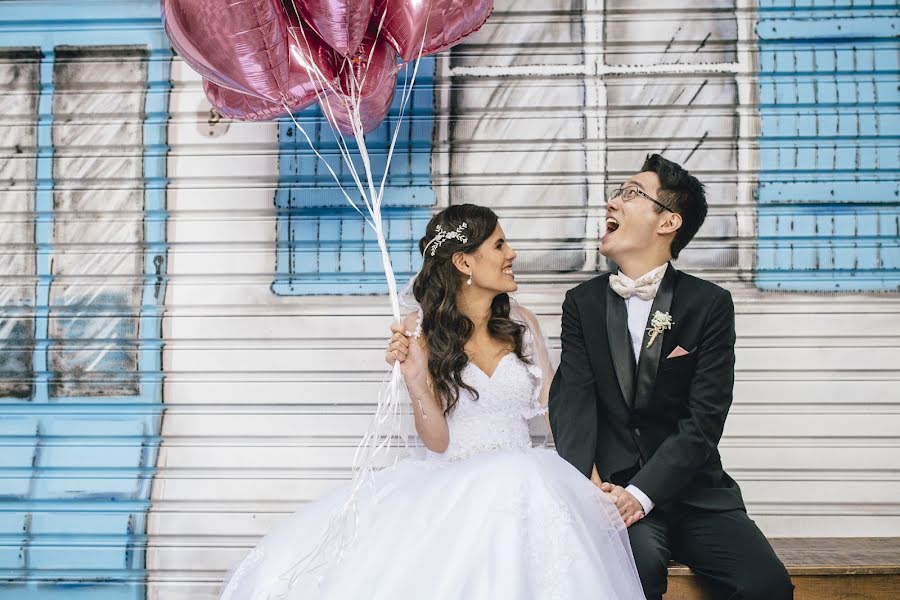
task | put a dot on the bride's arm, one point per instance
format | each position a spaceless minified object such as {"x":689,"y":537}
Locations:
{"x":540,"y":356}
{"x":431,"y":424}
{"x":595,"y":477}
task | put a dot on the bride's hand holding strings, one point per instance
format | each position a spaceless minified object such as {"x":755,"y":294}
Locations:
{"x":407,"y":350}
{"x":431,"y":425}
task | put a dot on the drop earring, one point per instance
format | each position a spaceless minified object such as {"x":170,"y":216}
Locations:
{"x":469,"y":282}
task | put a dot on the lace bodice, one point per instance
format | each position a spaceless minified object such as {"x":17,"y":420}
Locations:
{"x":498,"y":419}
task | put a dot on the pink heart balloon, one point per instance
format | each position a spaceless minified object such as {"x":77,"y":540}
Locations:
{"x":441,"y":23}
{"x":372,"y":110}
{"x":365,"y":71}
{"x":312,"y":65}
{"x":241,"y":44}
{"x":310,"y":77}
{"x":241,"y":107}
{"x":341,"y":23}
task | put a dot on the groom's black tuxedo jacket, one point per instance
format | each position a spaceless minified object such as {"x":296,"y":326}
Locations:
{"x":662,"y":418}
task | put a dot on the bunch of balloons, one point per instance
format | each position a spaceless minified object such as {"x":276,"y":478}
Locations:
{"x":262,"y":59}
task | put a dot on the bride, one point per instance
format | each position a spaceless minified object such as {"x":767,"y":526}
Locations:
{"x":483,"y":515}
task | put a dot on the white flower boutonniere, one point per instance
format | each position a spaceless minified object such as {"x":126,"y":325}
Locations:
{"x":659,"y":323}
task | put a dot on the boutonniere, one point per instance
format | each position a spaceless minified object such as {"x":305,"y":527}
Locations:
{"x":659,"y":323}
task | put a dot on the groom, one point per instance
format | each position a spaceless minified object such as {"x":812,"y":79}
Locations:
{"x":644,"y":386}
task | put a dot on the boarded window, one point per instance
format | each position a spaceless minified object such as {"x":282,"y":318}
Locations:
{"x":828,"y":186}
{"x":689,"y":117}
{"x":19,"y":94}
{"x":324,"y":246}
{"x":98,"y":232}
{"x":518,"y":133}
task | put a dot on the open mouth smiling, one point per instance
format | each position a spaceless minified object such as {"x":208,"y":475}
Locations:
{"x":611,"y":226}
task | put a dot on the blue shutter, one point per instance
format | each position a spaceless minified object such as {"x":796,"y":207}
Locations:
{"x":324,"y":246}
{"x":78,"y":443}
{"x":828,"y":195}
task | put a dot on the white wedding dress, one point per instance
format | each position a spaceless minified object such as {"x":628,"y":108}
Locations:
{"x":492,"y":518}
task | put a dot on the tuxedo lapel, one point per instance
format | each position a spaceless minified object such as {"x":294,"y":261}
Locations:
{"x":648,"y":364}
{"x":620,"y":343}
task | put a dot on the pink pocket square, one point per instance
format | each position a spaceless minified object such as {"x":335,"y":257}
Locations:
{"x":678,"y":351}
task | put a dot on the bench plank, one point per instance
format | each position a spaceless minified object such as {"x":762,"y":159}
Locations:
{"x":821,"y":569}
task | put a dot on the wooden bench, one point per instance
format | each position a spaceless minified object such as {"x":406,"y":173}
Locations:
{"x":821,"y":569}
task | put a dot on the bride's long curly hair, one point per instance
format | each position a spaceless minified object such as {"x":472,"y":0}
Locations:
{"x":445,"y":327}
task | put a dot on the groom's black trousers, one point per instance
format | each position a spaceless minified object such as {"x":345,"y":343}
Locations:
{"x":724,"y":547}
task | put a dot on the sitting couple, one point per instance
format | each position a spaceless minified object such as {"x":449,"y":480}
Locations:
{"x":636,"y":407}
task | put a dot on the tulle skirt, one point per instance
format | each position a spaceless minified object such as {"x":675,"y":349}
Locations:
{"x":500,"y":525}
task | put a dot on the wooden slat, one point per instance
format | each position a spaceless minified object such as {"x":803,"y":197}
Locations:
{"x":821,"y":569}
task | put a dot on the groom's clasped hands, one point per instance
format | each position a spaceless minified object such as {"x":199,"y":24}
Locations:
{"x":629,"y":507}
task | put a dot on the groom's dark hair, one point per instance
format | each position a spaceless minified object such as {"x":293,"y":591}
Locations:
{"x":681,"y":192}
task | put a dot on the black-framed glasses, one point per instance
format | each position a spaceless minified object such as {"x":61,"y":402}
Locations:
{"x":630,"y":192}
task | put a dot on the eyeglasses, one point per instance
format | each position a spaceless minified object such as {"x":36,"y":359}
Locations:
{"x":630,"y":193}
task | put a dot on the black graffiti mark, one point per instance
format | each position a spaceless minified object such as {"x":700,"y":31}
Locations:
{"x":158,"y":262}
{"x":703,"y":43}
{"x":703,"y":139}
{"x":672,"y":41}
{"x":699,"y":89}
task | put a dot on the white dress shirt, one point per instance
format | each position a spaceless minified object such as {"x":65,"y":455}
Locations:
{"x":638,"y":311}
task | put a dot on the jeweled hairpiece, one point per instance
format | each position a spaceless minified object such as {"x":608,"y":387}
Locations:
{"x":442,"y":236}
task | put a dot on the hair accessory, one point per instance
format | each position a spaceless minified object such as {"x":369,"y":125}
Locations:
{"x":442,"y":236}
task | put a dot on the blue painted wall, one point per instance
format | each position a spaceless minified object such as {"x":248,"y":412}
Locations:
{"x":324,"y":246}
{"x":78,"y":446}
{"x":829,"y":179}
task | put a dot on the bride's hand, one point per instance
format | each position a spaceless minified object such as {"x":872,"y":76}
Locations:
{"x":408,"y":351}
{"x":595,"y":479}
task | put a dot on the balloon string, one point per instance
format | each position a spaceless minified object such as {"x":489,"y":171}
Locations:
{"x":330,"y":170}
{"x":328,"y":86}
{"x":404,"y":100}
{"x":386,"y":423}
{"x":371,"y":54}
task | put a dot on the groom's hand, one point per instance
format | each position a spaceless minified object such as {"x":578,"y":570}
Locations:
{"x":629,"y":507}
